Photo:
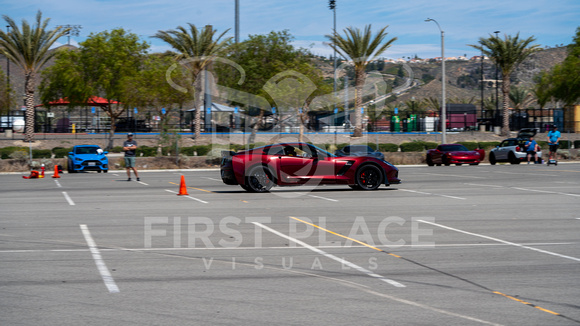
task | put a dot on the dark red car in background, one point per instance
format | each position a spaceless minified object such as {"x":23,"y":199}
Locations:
{"x":294,"y":164}
{"x":457,"y":154}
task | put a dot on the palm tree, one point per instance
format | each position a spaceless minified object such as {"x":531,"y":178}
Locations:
{"x":520,"y":97}
{"x":507,"y":54}
{"x":361,"y":47}
{"x":199,"y":49}
{"x":29,"y":49}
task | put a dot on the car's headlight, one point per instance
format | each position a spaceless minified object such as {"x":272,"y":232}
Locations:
{"x":78,"y":159}
{"x":103,"y":159}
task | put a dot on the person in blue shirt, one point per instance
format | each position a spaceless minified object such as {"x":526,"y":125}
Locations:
{"x":554,"y":141}
{"x":531,"y":149}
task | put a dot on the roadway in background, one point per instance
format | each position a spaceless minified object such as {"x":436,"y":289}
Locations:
{"x":458,"y":245}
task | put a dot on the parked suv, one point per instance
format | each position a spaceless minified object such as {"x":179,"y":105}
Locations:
{"x":513,"y":150}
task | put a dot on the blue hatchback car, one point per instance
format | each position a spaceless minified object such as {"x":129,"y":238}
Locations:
{"x":87,"y":158}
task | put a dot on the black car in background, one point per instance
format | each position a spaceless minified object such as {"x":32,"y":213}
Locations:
{"x":359,"y":150}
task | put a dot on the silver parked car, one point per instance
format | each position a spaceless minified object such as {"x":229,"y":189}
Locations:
{"x":513,"y":150}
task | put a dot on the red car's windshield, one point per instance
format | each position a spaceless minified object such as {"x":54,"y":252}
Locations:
{"x":453,"y":148}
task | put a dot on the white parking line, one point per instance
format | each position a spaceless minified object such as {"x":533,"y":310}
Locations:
{"x":67,"y":197}
{"x":480,"y":185}
{"x":502,"y":241}
{"x":547,"y":192}
{"x":333,"y":257}
{"x":320,"y":197}
{"x":57,"y":183}
{"x":430,"y":194}
{"x":101,"y":266}
{"x":212,"y":179}
{"x":143,"y":183}
{"x":454,"y":175}
{"x":548,"y":175}
{"x":430,"y":246}
{"x":199,"y":200}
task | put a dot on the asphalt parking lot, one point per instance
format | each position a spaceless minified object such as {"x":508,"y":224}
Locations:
{"x":457,"y":245}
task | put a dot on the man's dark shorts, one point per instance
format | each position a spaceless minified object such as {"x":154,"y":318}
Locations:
{"x":554,"y":148}
{"x":130,"y":161}
{"x":531,"y":152}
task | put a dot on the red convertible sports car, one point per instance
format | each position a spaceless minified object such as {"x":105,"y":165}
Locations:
{"x":457,"y":154}
{"x":293,"y":164}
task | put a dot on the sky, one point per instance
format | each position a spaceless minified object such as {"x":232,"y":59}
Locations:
{"x":551,"y":22}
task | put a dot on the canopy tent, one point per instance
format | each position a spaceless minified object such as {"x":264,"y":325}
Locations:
{"x":92,"y":101}
{"x":218,"y":108}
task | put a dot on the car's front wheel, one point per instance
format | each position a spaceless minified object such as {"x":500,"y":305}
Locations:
{"x":369,"y":177}
{"x":259,"y":179}
{"x":70,"y":167}
{"x":430,"y":160}
{"x":446,"y":161}
{"x":492,"y":160}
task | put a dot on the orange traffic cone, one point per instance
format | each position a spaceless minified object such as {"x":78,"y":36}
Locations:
{"x":182,"y":187}
{"x":55,"y":175}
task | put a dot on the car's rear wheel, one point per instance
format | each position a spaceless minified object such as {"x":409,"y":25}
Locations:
{"x":513,"y":159}
{"x":430,"y":161}
{"x":105,"y":171}
{"x":369,"y":177}
{"x":492,"y":160}
{"x":355,"y":187}
{"x":259,"y":179}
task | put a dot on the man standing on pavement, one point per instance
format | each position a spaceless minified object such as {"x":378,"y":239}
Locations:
{"x":129,"y":146}
{"x":554,"y":141}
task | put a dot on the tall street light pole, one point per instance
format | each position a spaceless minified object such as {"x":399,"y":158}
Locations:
{"x":443,"y":104}
{"x":496,"y":87}
{"x":237,"y":27}
{"x":332,"y":6}
{"x":8,"y":82}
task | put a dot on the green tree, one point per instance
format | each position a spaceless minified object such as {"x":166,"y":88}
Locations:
{"x":507,"y":54}
{"x":6,"y":95}
{"x":565,"y":77}
{"x":276,"y":71}
{"x":543,"y":89}
{"x":361,"y":47}
{"x":150,"y":89}
{"x":101,"y":66}
{"x":28,"y":47}
{"x":520,"y":97}
{"x":199,"y":48}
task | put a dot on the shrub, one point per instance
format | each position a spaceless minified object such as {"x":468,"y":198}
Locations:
{"x":61,"y":152}
{"x":41,"y":153}
{"x":20,"y":155}
{"x":565,"y":144}
{"x":117,"y":149}
{"x":470,"y":145}
{"x":388,"y":147}
{"x":430,"y":145}
{"x":412,"y":147}
{"x":146,"y":151}
{"x":200,"y":150}
{"x":7,"y":151}
{"x":577,"y":144}
{"x":542,"y":143}
{"x":488,"y":144}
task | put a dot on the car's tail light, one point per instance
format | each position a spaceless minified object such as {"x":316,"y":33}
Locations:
{"x":517,"y":149}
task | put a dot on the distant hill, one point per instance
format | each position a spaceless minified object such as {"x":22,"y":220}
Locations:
{"x":463,"y":77}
